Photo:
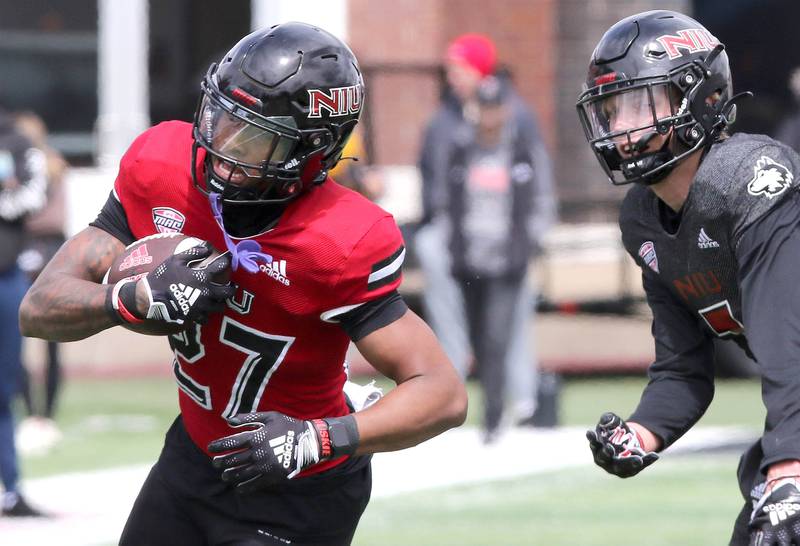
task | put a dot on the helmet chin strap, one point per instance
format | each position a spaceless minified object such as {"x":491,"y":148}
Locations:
{"x":246,"y":253}
{"x":637,"y":167}
{"x":238,"y":193}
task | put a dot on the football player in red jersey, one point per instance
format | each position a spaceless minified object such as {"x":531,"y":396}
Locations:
{"x":260,"y":365}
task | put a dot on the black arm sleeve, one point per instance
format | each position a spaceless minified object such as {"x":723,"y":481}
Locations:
{"x":373,"y":315}
{"x":682,"y":377}
{"x":112,"y":218}
{"x":769,"y":260}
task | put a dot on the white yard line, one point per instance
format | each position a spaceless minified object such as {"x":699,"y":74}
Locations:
{"x":91,"y":507}
{"x":458,"y":456}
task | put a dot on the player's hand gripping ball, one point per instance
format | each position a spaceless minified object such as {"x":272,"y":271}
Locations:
{"x":183,"y":278}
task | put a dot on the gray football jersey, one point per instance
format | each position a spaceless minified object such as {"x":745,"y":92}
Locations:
{"x":739,"y":181}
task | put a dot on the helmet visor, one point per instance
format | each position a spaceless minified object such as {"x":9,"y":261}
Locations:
{"x":627,"y":114}
{"x":240,"y":141}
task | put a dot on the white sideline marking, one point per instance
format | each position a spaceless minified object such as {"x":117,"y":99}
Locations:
{"x":91,"y":507}
{"x":463,"y":459}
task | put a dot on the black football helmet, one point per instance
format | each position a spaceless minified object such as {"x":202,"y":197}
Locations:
{"x":655,"y":73}
{"x":274,"y":114}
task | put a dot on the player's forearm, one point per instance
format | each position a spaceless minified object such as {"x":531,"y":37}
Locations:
{"x":65,"y":309}
{"x":416,"y":410}
{"x":783,"y":469}
{"x":67,"y":303}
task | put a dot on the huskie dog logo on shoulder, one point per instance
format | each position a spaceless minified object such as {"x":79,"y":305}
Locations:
{"x":770,"y":178}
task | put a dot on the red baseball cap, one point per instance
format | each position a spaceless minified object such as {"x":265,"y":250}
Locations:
{"x":475,"y":50}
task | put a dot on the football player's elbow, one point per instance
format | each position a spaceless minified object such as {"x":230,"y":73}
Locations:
{"x":455,"y":412}
{"x":31,"y":323}
{"x":27,"y":318}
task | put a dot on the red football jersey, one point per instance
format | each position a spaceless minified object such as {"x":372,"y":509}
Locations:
{"x":277,"y":345}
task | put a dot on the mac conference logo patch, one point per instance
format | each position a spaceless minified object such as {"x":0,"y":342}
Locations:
{"x":647,"y":252}
{"x":168,"y":220}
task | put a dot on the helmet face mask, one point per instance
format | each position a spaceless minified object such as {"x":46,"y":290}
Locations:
{"x":254,"y":143}
{"x":648,"y":103}
{"x":266,"y":132}
{"x":251,"y":159}
{"x":631,"y":113}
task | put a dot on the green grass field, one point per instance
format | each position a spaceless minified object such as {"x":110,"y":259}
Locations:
{"x":111,"y":423}
{"x":683,"y":500}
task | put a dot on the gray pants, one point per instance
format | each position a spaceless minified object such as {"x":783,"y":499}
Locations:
{"x":445,"y":313}
{"x":490,"y":304}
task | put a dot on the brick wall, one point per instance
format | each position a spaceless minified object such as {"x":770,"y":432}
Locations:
{"x":397,"y":44}
{"x":400,"y":45}
{"x":545,"y":43}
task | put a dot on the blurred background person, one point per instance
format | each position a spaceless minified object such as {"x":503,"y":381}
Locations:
{"x":469,"y":60}
{"x":788,"y":131}
{"x":500,"y":204}
{"x":23,"y":186}
{"x":44,"y":236}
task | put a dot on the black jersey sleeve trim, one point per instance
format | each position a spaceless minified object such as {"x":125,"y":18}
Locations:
{"x":112,"y":219}
{"x":373,"y":315}
{"x":387,"y":270}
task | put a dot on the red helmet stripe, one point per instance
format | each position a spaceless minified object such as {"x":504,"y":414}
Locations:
{"x":605,"y":78}
{"x":245,"y":97}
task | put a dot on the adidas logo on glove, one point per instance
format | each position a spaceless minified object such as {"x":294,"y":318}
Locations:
{"x":779,"y":511}
{"x":185,"y":296}
{"x":283,"y":446}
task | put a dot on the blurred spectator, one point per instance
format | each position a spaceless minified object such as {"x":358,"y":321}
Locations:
{"x":45,"y":235}
{"x":789,"y":130}
{"x":469,"y":59}
{"x":500,"y":204}
{"x":23,"y":186}
{"x":353,"y":170}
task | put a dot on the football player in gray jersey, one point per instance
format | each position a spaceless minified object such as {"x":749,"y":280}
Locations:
{"x":714,"y":223}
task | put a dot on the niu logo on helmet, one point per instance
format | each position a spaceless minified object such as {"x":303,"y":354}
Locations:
{"x":341,"y":101}
{"x":690,"y":40}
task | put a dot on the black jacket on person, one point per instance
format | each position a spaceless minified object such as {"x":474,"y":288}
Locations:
{"x":437,"y":142}
{"x":532,"y":208}
{"x":23,"y":187}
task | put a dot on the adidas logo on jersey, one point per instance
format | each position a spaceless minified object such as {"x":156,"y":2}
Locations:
{"x":283,"y":446}
{"x":704,"y":241}
{"x":277,"y":270}
{"x":185,"y":296}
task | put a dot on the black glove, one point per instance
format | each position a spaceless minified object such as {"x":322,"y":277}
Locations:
{"x":276,"y":448}
{"x":179,"y":293}
{"x":776,"y":518}
{"x":616,"y":447}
